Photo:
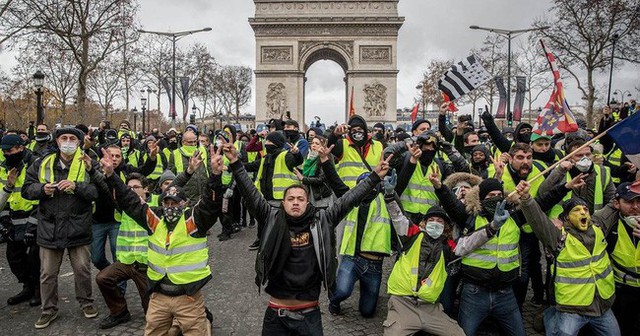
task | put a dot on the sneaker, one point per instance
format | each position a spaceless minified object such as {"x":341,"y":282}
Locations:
{"x":224,"y":236}
{"x":45,"y":320}
{"x":23,"y":296}
{"x":114,"y":320}
{"x":255,"y":245}
{"x":334,"y":309}
{"x":90,"y":311}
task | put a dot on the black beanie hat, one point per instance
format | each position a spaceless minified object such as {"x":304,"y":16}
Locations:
{"x":570,"y":204}
{"x":488,"y":186}
{"x":436,"y":211}
{"x":417,"y":123}
{"x":277,"y":139}
{"x":357,"y":120}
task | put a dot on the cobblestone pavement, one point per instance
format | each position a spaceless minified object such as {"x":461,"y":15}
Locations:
{"x":232,"y":297}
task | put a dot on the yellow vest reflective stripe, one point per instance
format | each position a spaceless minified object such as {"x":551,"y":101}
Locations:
{"x":226,"y":174}
{"x":15,"y":201}
{"x":184,"y":261}
{"x":500,"y":251}
{"x":615,"y":159}
{"x":404,"y":281}
{"x":376,"y":236}
{"x":509,"y":185}
{"x":282,"y":177}
{"x":178,"y":161}
{"x":603,"y":177}
{"x":76,"y":170}
{"x":351,"y":165}
{"x":578,"y":272}
{"x":627,"y":255}
{"x":420,"y":195}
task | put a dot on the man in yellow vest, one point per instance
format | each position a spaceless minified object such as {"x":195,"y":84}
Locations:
{"x":130,"y":154}
{"x":230,"y":218}
{"x":177,"y":255}
{"x":65,"y":193}
{"x":583,"y":279}
{"x":179,"y":161}
{"x":41,"y":144}
{"x":275,"y":172}
{"x":357,"y":153}
{"x":18,"y":222}
{"x":296,"y":254}
{"x":624,"y":250}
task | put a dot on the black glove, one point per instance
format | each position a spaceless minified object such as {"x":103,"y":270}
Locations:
{"x":30,"y":235}
{"x":486,"y":115}
{"x":446,"y":147}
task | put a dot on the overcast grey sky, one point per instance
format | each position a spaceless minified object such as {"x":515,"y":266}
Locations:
{"x":432,"y":29}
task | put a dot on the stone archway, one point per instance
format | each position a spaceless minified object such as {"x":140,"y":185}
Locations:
{"x":360,"y":36}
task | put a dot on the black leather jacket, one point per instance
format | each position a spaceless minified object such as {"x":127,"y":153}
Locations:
{"x":322,"y":228}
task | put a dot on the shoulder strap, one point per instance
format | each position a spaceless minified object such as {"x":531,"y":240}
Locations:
{"x":364,"y":160}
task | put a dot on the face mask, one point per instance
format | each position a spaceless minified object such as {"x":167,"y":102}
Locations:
{"x":125,"y":149}
{"x":434,"y":229}
{"x":189,"y":150}
{"x":427,"y":157}
{"x":13,"y":160}
{"x":292,"y":135}
{"x":271,"y":148}
{"x":357,"y":136}
{"x":218,"y":143}
{"x":490,"y":204}
{"x":525,"y":138}
{"x":172,"y":214}
{"x":42,"y":136}
{"x":173,"y":145}
{"x":379,"y":136}
{"x":584,"y":164}
{"x":69,"y":147}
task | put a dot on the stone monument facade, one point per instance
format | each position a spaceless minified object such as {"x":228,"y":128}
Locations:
{"x":360,"y":36}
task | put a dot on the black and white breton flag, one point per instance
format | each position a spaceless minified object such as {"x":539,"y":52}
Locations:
{"x":463,"y":77}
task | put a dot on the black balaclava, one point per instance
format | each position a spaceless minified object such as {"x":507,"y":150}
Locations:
{"x":522,"y":138}
{"x":355,"y":121}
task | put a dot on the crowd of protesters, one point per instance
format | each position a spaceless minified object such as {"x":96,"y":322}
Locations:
{"x":455,"y":206}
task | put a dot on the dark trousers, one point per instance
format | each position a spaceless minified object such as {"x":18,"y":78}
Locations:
{"x":530,"y":260}
{"x":626,"y":308}
{"x":24,"y":262}
{"x":232,"y":216}
{"x":275,"y":325}
{"x":109,"y":278}
{"x":247,"y":216}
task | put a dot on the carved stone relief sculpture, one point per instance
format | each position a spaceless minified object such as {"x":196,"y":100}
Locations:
{"x":375,"y":99}
{"x":276,"y":100}
{"x":277,"y":54}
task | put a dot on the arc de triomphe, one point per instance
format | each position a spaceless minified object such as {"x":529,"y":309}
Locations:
{"x":361,"y":36}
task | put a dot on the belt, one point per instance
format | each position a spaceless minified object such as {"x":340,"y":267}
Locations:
{"x":294,"y":313}
{"x":370,"y":256}
{"x":171,"y":290}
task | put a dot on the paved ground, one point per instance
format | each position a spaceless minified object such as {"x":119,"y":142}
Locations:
{"x":231,"y":296}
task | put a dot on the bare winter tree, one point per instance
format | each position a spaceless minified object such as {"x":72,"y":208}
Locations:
{"x":105,"y":84}
{"x":494,"y":60}
{"x":236,"y":88}
{"x":156,"y":62}
{"x":90,"y":29}
{"x":582,"y":34}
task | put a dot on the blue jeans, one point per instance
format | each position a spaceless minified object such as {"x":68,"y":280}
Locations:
{"x":98,"y":240}
{"x":565,"y":324}
{"x":478,"y":303}
{"x":369,"y":273}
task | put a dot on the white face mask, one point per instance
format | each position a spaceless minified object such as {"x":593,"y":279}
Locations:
{"x":313,"y":154}
{"x":68,"y":147}
{"x":584,"y":164}
{"x":434,"y":229}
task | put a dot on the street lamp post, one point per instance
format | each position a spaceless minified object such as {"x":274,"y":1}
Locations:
{"x":135,"y":119}
{"x":622,"y":95}
{"x":614,"y":39}
{"x":149,"y":91}
{"x":143,"y":102}
{"x":424,"y":100}
{"x":38,"y":80}
{"x":220,"y":118}
{"x":174,"y":38}
{"x":509,"y":34}
{"x":192,"y":117}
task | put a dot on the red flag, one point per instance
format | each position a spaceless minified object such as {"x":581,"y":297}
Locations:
{"x":452,"y":106}
{"x":414,"y":113}
{"x":556,"y":117}
{"x":352,"y":109}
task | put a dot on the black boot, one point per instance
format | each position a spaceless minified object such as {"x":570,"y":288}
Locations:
{"x":24,"y":295}
{"x":35,"y":299}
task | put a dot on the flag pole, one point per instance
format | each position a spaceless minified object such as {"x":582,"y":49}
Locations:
{"x":566,"y":157}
